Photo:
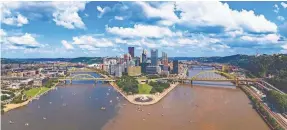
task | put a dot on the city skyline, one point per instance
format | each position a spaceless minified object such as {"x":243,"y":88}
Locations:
{"x":99,"y":29}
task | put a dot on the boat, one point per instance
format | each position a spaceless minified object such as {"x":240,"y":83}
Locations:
{"x":111,"y":101}
{"x":26,"y":124}
{"x":44,"y":118}
{"x":103,"y":108}
{"x":11,"y":122}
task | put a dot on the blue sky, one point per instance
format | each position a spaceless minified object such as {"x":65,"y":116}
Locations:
{"x":190,"y":29}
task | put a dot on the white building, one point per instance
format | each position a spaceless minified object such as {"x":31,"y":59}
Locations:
{"x":15,"y":85}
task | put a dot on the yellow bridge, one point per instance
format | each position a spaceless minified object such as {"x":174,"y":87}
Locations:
{"x":209,"y":75}
{"x":85,"y":77}
{"x":212,"y":75}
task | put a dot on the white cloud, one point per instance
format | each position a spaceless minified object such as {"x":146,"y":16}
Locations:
{"x":273,"y":38}
{"x":67,"y":45}
{"x":284,"y":46}
{"x":66,"y":14}
{"x":276,"y":10}
{"x":139,"y":30}
{"x":118,"y":40}
{"x":9,"y":17}
{"x":26,"y":40}
{"x":119,"y":18}
{"x":198,"y":14}
{"x":88,"y":42}
{"x":103,"y":11}
{"x":281,"y":18}
{"x":284,"y":5}
{"x":2,"y":33}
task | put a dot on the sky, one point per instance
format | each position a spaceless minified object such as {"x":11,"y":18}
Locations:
{"x":182,"y":29}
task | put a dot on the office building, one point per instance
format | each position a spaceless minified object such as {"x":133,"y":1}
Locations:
{"x":118,"y":70}
{"x":154,"y":57}
{"x":144,"y":56}
{"x":175,"y":66}
{"x":153,"y":70}
{"x":134,"y":70}
{"x":111,"y":69}
{"x":137,"y":61}
{"x":143,"y":67}
{"x":132,"y":51}
{"x":164,"y":58}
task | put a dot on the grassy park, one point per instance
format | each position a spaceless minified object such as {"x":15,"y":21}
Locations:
{"x":32,"y":92}
{"x":144,"y":88}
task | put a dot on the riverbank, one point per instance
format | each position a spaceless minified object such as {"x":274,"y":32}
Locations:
{"x":12,"y":106}
{"x":156,"y":98}
{"x":267,"y":115}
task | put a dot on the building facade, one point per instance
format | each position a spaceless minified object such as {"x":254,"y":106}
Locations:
{"x":144,"y":56}
{"x":164,"y":58}
{"x":154,"y":57}
{"x":118,"y":70}
{"x":132,"y":51}
{"x":134,"y":71}
{"x":153,"y":70}
{"x":175,"y":67}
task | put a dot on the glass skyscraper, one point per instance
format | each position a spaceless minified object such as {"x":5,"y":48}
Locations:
{"x":154,"y":57}
{"x":175,"y":66}
{"x":132,"y":51}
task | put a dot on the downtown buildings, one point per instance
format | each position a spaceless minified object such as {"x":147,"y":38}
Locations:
{"x":129,"y":64}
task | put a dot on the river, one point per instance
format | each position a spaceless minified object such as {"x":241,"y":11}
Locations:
{"x":221,"y":106}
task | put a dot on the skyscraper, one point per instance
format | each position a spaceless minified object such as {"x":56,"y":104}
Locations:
{"x":144,"y":56}
{"x":132,"y":51}
{"x":175,"y":66}
{"x":154,"y":57}
{"x":164,"y":58}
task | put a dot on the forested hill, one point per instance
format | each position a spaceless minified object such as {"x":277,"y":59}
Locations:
{"x":86,"y":60}
{"x":260,"y":66}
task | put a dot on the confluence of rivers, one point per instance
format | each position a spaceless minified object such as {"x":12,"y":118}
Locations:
{"x":221,"y":106}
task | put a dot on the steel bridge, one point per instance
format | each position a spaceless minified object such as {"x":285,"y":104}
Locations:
{"x":85,"y":77}
{"x":72,"y":70}
{"x":212,"y":75}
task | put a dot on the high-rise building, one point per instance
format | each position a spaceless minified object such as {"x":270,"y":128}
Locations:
{"x":127,"y":57}
{"x":175,"y":66}
{"x":164,"y":58}
{"x":144,"y":56}
{"x":154,"y":57}
{"x":118,"y":70}
{"x":132,"y":51}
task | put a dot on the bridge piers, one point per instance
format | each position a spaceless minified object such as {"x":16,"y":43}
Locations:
{"x":191,"y":83}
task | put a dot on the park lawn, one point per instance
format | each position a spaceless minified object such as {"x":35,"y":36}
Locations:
{"x":32,"y":92}
{"x":144,"y":88}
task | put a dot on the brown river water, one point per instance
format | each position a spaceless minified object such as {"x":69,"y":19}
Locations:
{"x":221,"y":106}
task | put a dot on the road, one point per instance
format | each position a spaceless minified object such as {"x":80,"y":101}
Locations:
{"x":273,"y":114}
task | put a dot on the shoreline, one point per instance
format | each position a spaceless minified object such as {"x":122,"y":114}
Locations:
{"x":156,"y":98}
{"x":12,"y":106}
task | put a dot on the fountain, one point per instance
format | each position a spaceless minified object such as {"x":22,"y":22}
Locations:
{"x":143,"y":99}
